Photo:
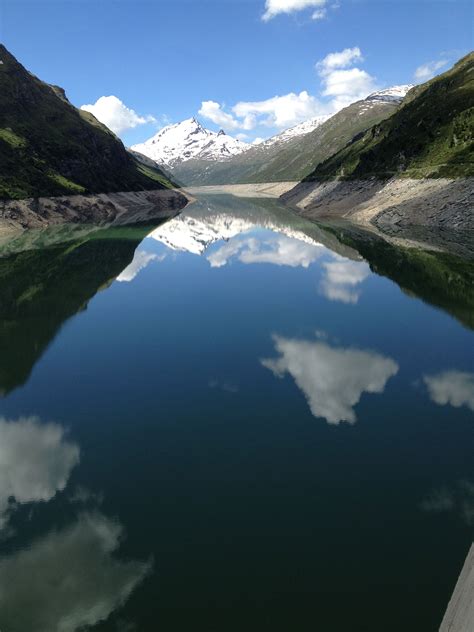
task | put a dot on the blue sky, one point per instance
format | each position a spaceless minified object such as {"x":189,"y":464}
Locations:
{"x":163,"y":59}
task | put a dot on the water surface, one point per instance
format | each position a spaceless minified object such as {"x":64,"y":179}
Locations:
{"x":242,"y":421}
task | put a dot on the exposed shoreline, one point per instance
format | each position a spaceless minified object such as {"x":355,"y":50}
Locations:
{"x":260,"y":190}
{"x":108,"y":209}
{"x":403,"y":202}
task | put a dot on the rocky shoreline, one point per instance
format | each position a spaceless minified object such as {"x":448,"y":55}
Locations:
{"x":404,"y":202}
{"x":107,"y":209}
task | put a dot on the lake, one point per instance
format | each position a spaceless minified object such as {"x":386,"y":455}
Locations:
{"x":235,"y":420}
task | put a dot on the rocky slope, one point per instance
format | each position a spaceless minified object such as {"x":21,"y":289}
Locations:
{"x":294,"y":153}
{"x":48,"y":147}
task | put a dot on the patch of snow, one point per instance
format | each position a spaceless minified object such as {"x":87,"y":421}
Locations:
{"x":395,"y":93}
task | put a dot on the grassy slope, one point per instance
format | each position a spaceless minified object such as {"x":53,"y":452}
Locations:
{"x":431,"y":135}
{"x":292,"y":161}
{"x":49,"y":147}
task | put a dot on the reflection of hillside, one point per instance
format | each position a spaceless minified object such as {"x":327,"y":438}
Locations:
{"x":41,"y":288}
{"x":437,"y":277}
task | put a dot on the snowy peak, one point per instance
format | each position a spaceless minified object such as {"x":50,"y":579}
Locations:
{"x":298,"y":130}
{"x":184,"y":141}
{"x":390,"y":95}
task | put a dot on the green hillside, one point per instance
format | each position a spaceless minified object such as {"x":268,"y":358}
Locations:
{"x":431,"y":135}
{"x":49,"y":147}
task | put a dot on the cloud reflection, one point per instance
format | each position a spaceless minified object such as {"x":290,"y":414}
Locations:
{"x":69,"y":579}
{"x":279,"y":250}
{"x":332,"y":379}
{"x":455,"y":388}
{"x":341,"y":278}
{"x":140,"y":261}
{"x":458,"y":499}
{"x":36,"y":460}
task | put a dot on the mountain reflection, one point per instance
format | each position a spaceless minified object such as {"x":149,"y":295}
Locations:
{"x":35,"y":462}
{"x":41,"y":287}
{"x":332,"y":379}
{"x":68,"y":579}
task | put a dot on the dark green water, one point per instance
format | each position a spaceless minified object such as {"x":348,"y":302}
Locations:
{"x":241,"y":422}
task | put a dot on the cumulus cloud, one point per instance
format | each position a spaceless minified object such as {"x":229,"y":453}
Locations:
{"x":429,"y":70}
{"x":276,"y":7}
{"x":111,"y":111}
{"x":455,"y":388}
{"x":140,"y":261}
{"x":342,"y":84}
{"x":279,"y":250}
{"x":332,"y":379}
{"x":341,"y":278}
{"x":69,"y":579}
{"x":214,"y":112}
{"x":278,"y":111}
{"x":35,"y":461}
{"x":341,"y":59}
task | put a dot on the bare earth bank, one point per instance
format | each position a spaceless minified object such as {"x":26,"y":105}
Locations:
{"x":403,"y":202}
{"x":104,"y":208}
{"x":263,"y":190}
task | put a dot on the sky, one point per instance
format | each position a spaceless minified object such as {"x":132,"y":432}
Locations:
{"x":251,"y":67}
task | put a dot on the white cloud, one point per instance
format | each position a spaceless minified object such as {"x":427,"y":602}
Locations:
{"x":319,"y":14}
{"x":281,"y":250}
{"x":455,"y":388}
{"x":341,"y":59}
{"x":276,"y":7}
{"x":429,"y":70}
{"x":342,"y":84}
{"x":140,"y":261}
{"x":35,"y":461}
{"x":116,"y":115}
{"x":279,"y":111}
{"x":341,"y":278}
{"x":332,"y":379}
{"x":214,"y":112}
{"x":258,"y":140}
{"x":69,"y":579}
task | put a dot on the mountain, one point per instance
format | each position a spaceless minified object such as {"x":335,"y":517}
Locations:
{"x":49,"y":148}
{"x":430,"y":136}
{"x":415,"y":168}
{"x":293,"y":154}
{"x":176,"y":144}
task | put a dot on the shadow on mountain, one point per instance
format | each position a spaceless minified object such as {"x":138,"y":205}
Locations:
{"x":45,"y":278}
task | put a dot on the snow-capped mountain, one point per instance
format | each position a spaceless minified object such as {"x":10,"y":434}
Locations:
{"x":298,"y":130}
{"x":183,"y":141}
{"x":392,"y":94}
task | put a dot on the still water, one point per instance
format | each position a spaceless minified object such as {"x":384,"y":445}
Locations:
{"x":237,"y":420}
